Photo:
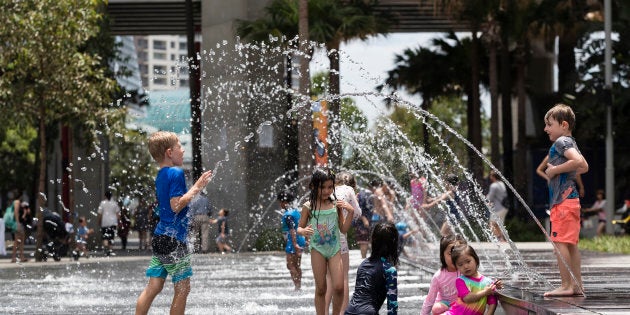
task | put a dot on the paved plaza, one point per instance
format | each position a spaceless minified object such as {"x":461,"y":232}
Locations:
{"x":258,"y":283}
{"x":247,"y":283}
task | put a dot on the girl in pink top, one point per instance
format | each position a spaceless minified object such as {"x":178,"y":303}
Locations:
{"x":442,"y":291}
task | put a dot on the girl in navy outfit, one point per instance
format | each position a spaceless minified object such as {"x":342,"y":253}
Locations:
{"x":377,"y":278}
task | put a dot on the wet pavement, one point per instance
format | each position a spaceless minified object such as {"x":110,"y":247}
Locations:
{"x":258,"y":283}
{"x":246,"y":283}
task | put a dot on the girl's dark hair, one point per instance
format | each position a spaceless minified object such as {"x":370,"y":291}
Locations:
{"x":445,"y":242}
{"x":464,"y":249}
{"x":385,"y":242}
{"x":319,"y":177}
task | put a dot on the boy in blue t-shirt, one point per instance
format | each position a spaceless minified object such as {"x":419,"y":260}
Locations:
{"x":564,"y":163}
{"x":295,"y":243}
{"x":170,"y":250}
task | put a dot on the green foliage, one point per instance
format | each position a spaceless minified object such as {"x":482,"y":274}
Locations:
{"x":606,"y":243}
{"x":133,"y":170}
{"x":524,"y":231}
{"x":270,"y":240}
{"x":17,"y":154}
{"x":46,"y":73}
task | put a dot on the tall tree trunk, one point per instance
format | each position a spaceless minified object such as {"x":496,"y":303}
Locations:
{"x":494,"y":106}
{"x":334,"y":119}
{"x":506,"y":109}
{"x":305,"y":118}
{"x":567,"y":74}
{"x":520,"y":176}
{"x":41,"y":190}
{"x":474,"y":119}
{"x":291,"y":129}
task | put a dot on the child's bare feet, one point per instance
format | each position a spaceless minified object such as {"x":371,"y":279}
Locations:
{"x":560,"y":292}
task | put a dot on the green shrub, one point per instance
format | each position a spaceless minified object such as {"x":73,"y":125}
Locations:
{"x":606,"y":243}
{"x":270,"y":240}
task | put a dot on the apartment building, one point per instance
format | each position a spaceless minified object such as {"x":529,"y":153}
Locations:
{"x":163,"y":61}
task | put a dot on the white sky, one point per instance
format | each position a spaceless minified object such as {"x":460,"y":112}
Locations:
{"x":364,"y":65}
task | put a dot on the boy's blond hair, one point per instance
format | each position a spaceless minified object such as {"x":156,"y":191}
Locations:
{"x":159,"y":142}
{"x":560,"y":113}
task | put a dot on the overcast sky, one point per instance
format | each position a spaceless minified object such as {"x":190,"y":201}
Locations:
{"x":364,"y":65}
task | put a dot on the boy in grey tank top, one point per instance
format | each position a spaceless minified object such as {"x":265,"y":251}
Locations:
{"x":564,"y":163}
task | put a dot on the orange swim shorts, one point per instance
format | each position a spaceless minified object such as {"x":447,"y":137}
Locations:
{"x":565,"y":221}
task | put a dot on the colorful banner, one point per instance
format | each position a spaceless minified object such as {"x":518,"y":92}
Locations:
{"x":320,"y":132}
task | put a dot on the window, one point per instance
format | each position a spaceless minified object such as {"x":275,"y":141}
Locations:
{"x":159,"y":55}
{"x":159,"y":70}
{"x":183,"y":46}
{"x":265,"y":137}
{"x":142,"y":43}
{"x":172,"y":44}
{"x":159,"y":44}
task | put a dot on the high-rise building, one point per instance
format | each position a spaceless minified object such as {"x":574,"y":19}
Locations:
{"x":163,"y":61}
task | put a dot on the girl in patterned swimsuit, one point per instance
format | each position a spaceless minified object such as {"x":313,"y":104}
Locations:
{"x":475,"y":292}
{"x":323,"y":220}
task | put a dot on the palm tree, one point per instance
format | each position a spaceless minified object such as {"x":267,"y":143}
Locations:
{"x":421,"y":71}
{"x":330,"y":22}
{"x":333,"y":22}
{"x":442,"y":71}
{"x":305,"y":125}
{"x":475,"y":13}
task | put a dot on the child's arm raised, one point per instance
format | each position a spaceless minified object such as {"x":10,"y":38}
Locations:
{"x":178,"y":203}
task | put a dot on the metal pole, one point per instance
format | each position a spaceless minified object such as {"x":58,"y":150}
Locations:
{"x":610,"y":167}
{"x":195,"y":92}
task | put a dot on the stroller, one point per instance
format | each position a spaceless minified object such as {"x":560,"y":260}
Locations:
{"x":621,"y":224}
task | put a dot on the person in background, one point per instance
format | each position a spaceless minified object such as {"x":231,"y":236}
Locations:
{"x":200,"y":229}
{"x":82,"y":235}
{"x":294,"y":242}
{"x":223,"y":230}
{"x":108,"y":216}
{"x":20,"y":211}
{"x":403,"y":236}
{"x":362,"y":226}
{"x":142,"y":225}
{"x":124,"y":226}
{"x":599,"y":208}
{"x":345,"y":186}
{"x":383,"y":204}
{"x":452,"y":202}
{"x":496,"y":196}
